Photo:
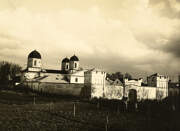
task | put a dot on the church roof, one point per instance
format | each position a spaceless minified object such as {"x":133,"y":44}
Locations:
{"x":74,"y":58}
{"x":115,"y":82}
{"x":54,"y":78}
{"x":55,"y":71}
{"x":65,"y":60}
{"x":34,"y":54}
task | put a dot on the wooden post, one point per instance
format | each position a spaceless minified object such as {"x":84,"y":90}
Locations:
{"x":136,"y":106}
{"x":173,"y":107}
{"x":52,"y":106}
{"x":107,"y":119}
{"x":126,"y":104}
{"x":34,"y":99}
{"x":107,"y":122}
{"x":74,"y":109}
{"x":32,"y":86}
{"x":106,"y":127}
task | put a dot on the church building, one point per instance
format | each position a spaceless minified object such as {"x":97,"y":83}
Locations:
{"x":69,"y":73}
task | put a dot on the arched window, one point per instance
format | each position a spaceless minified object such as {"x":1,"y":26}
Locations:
{"x":76,"y":79}
{"x":35,"y":62}
{"x":75,"y":65}
{"x":67,"y":67}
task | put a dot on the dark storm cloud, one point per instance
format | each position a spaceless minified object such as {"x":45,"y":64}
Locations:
{"x":149,"y":39}
{"x":173,"y":47}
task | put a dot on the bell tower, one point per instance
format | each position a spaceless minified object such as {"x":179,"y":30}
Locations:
{"x":65,"y":64}
{"x":34,"y":61}
{"x":74,"y":63}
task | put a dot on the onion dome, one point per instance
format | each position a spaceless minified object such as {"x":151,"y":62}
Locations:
{"x":34,"y":54}
{"x":65,"y":60}
{"x":74,"y":58}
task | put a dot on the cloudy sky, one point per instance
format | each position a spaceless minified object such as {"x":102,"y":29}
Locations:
{"x":136,"y":36}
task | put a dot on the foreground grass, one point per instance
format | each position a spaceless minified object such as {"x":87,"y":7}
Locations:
{"x":18,"y":112}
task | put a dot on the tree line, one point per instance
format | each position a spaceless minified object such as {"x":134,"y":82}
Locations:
{"x":8,"y":72}
{"x":119,"y":75}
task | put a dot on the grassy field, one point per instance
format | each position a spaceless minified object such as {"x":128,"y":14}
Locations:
{"x":21,"y":112}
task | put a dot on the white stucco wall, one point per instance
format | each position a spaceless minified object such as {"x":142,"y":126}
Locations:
{"x":133,"y":82}
{"x":162,"y":81}
{"x":34,"y":62}
{"x":143,"y":92}
{"x":113,"y":92}
{"x":30,"y":75}
{"x":80,"y":79}
{"x":31,"y":69}
{"x":77,"y":75}
{"x":96,"y":80}
{"x":95,"y":77}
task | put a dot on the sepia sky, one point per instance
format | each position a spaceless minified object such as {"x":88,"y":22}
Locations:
{"x":136,"y":36}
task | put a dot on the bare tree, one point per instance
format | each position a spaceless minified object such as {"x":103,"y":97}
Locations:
{"x":8,"y":72}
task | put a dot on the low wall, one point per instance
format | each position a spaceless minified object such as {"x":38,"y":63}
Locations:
{"x":107,"y":91}
{"x":97,"y":91}
{"x":59,"y":89}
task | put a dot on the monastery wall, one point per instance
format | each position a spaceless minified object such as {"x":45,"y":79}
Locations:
{"x":54,"y":88}
{"x":143,"y":92}
{"x":114,"y":92}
